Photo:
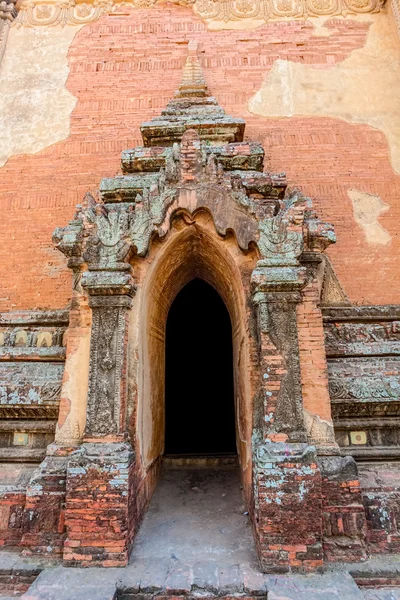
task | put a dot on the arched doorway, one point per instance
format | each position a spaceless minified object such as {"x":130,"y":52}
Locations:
{"x":199,"y":395}
{"x":192,"y":252}
{"x":194,"y":398}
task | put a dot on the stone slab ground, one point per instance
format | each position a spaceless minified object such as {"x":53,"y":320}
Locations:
{"x":149,"y":578}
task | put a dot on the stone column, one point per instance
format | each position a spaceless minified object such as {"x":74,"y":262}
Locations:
{"x":100,"y":471}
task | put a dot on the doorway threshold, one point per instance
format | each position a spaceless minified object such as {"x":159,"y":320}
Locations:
{"x":175,"y":461}
{"x":197,"y":514}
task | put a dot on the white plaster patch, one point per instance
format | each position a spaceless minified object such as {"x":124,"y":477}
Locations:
{"x":35,"y":106}
{"x":364,"y":88}
{"x":367,"y":208}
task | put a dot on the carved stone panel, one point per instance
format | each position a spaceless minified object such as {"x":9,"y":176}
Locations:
{"x":30,"y":389}
{"x":347,"y":338}
{"x":106,"y":364}
{"x":365,"y":387}
{"x":283,"y":333}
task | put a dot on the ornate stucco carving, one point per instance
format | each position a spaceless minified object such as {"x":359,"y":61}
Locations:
{"x":107,"y":356}
{"x":8,"y":12}
{"x":281,"y":238}
{"x":37,"y":13}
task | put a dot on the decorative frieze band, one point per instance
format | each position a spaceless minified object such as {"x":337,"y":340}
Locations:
{"x":33,"y":14}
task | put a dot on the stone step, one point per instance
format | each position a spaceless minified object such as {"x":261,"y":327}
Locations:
{"x":382,"y":594}
{"x":172,"y":579}
{"x":17,"y":573}
{"x":227,"y":461}
{"x":63,"y":583}
{"x":203,"y":580}
{"x":329,"y":586}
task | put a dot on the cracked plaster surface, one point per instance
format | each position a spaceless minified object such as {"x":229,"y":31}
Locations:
{"x":35,"y":106}
{"x":362,"y":89}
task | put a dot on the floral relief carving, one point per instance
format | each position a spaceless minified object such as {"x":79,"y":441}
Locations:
{"x":34,"y":13}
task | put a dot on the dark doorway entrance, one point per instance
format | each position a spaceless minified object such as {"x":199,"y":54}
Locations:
{"x":199,"y":399}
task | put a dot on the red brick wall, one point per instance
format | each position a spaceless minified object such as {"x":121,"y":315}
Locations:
{"x":123,"y":70}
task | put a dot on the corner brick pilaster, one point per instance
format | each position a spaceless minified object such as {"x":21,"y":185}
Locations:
{"x":286,"y":476}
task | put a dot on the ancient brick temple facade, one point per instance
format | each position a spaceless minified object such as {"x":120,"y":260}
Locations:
{"x":316,"y":370}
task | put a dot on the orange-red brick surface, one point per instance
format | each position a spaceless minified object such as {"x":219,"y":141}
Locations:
{"x":123,"y":70}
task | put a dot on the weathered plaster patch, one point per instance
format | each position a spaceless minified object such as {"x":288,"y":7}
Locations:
{"x":35,"y":106}
{"x":364,"y":88}
{"x":367,"y":208}
{"x":319,"y":431}
{"x":74,"y":389}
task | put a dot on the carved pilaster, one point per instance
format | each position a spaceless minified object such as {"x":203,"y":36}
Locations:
{"x":277,"y":281}
{"x":110,"y":299}
{"x":279,"y":357}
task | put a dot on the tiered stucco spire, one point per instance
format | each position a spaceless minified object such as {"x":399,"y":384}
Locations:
{"x":192,"y":107}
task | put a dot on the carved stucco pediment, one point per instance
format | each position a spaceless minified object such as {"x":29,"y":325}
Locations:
{"x":109,"y":230}
{"x":203,"y":167}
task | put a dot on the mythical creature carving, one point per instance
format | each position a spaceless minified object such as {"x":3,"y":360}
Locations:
{"x":107,"y":234}
{"x":281,"y":236}
{"x":109,"y":243}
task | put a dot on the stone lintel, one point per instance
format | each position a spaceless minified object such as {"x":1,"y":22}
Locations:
{"x":281,"y":279}
{"x":35,"y":317}
{"x":388,"y":312}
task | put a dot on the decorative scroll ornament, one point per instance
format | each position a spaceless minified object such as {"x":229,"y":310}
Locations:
{"x":69,"y":12}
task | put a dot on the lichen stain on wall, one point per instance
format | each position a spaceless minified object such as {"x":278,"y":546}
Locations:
{"x":36,"y":108}
{"x":364,"y":88}
{"x":367,"y":208}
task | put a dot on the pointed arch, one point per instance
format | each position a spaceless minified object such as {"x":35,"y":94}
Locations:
{"x":191,"y":251}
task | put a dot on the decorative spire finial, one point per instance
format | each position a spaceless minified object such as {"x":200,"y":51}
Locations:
{"x":193,"y":83}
